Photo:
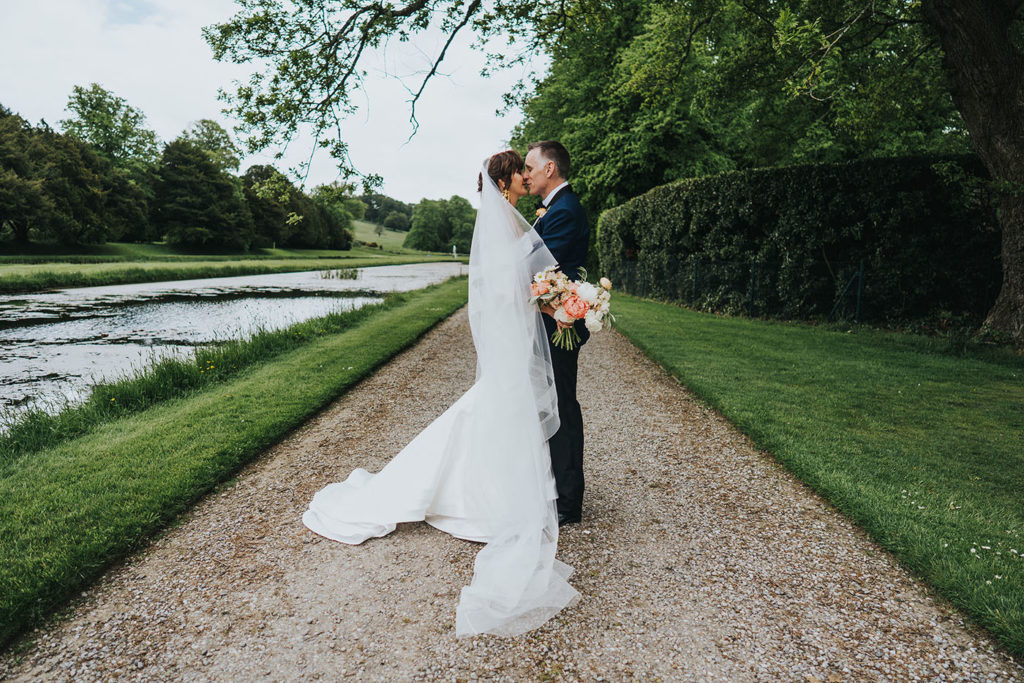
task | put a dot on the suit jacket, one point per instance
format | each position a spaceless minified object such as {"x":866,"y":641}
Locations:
{"x":566,"y":234}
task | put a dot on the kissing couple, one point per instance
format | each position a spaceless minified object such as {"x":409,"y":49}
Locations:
{"x":503,"y":465}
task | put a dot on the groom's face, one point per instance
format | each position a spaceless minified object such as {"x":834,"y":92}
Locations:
{"x":537,"y":173}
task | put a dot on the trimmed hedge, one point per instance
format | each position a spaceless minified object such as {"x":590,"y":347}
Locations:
{"x":786,"y":242}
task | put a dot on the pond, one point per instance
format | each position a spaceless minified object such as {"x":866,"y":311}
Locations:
{"x":55,"y":345}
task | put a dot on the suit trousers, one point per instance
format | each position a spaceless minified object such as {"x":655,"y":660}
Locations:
{"x":567,"y":443}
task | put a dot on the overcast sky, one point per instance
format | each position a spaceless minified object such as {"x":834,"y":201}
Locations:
{"x":151,"y":53}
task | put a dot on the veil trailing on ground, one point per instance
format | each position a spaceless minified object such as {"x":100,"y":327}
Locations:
{"x":517,"y":582}
{"x":482,"y":470}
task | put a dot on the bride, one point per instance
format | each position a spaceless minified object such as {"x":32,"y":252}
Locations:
{"x":481,"y":471}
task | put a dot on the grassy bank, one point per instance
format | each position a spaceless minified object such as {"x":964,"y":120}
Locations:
{"x":32,"y":277}
{"x":169,"y":378}
{"x":72,"y":506}
{"x":111,"y":252}
{"x":923,"y":449}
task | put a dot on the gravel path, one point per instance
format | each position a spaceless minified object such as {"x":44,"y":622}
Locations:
{"x":699,"y":558}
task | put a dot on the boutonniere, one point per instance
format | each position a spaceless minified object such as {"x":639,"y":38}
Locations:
{"x":541,"y":211}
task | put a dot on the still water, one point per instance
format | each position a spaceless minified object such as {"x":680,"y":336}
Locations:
{"x":55,"y":345}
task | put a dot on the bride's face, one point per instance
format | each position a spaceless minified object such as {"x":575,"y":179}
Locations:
{"x":516,"y":187}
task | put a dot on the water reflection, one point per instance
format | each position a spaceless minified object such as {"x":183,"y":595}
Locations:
{"x":55,"y":345}
{"x":22,"y":309}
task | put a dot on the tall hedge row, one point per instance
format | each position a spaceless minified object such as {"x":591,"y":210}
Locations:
{"x":786,"y":242}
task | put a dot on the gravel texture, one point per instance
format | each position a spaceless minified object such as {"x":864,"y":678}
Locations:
{"x":698,"y":558}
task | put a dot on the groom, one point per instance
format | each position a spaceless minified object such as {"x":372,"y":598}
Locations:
{"x":563,"y":227}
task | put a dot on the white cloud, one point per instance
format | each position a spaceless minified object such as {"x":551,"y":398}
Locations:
{"x":151,"y":52}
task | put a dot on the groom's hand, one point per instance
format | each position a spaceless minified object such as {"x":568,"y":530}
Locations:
{"x":550,"y":310}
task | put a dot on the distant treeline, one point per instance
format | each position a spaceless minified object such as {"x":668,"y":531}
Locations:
{"x":106,"y":177}
{"x":383,"y":210}
{"x":432,"y":224}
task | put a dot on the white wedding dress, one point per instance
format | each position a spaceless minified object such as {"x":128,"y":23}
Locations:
{"x":481,"y":471}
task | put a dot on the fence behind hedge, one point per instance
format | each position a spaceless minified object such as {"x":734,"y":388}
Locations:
{"x":811,"y":241}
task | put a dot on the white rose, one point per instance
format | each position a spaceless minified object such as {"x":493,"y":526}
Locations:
{"x":592,"y":322}
{"x":606,"y":283}
{"x":562,"y":316}
{"x":587,"y":292}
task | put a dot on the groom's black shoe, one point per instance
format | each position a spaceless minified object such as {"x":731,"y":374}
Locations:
{"x":564,"y":519}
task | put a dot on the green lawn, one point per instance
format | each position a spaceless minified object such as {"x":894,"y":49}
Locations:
{"x":389,"y":239}
{"x":72,"y":506}
{"x":923,"y":449}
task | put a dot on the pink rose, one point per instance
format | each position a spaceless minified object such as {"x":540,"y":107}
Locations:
{"x":539,"y":288}
{"x":576,"y":307}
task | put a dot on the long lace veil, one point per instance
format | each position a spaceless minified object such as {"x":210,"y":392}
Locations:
{"x":517,"y":582}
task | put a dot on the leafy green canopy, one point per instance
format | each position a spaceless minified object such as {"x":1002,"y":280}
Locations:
{"x":57,"y":189}
{"x":644,"y":92}
{"x":440,"y":224}
{"x":198,"y":204}
{"x":115,"y":129}
{"x":211,"y":137}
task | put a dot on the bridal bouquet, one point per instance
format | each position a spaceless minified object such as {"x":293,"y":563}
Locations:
{"x":572,"y":300}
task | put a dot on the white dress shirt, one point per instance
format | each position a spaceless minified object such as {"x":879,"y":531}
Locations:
{"x":547,"y":200}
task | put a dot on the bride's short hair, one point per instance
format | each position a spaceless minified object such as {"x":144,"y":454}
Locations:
{"x":501,"y":166}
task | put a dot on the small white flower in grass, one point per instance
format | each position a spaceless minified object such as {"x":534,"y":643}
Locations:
{"x":945,"y":545}
{"x":988,"y":583}
{"x":999,"y":576}
{"x":974,"y":550}
{"x":986,"y":547}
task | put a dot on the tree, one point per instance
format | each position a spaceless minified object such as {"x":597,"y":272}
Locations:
{"x":211,"y":137}
{"x":115,"y":129}
{"x":342,"y":208}
{"x":126,"y":208}
{"x":312,"y":53}
{"x":461,"y":216}
{"x":437,"y":224}
{"x":396,"y":220}
{"x":379,"y":207}
{"x":197,"y":204}
{"x":73,"y":179}
{"x":269,"y":215}
{"x":24,"y":203}
{"x":983,"y":53}
{"x":117,"y":132}
{"x":638,"y":111}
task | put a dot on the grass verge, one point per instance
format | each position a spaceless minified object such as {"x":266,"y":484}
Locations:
{"x":167,"y":378}
{"x":72,"y":508}
{"x":22,"y":277}
{"x":924,"y":450}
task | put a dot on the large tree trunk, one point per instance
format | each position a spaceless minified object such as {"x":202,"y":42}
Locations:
{"x":986,"y":74}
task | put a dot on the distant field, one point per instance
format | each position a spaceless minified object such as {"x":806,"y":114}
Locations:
{"x":389,"y":239}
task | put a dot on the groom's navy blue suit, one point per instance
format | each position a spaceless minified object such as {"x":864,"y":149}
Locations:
{"x":566,"y":233}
